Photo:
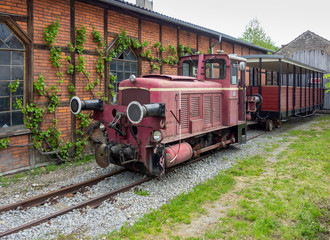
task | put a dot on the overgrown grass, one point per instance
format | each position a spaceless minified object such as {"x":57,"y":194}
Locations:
{"x":5,"y":181}
{"x":292,"y":200}
{"x":288,"y":199}
{"x":180,"y":210}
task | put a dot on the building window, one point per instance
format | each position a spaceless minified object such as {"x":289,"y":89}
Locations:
{"x":123,"y":66}
{"x":12,"y":59}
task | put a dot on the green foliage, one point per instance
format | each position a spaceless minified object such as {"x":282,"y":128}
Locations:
{"x":55,"y":56}
{"x":40,"y":85}
{"x":72,"y":49}
{"x":50,"y":33}
{"x":4,"y":142}
{"x":327,"y":85}
{"x":256,"y":35}
{"x":80,"y":39}
{"x":80,"y":67}
{"x":70,"y":69}
{"x":142,"y":193}
{"x":14,"y":86}
{"x":49,"y":139}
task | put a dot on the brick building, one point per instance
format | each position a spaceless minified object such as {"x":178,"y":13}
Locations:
{"x":24,"y":56}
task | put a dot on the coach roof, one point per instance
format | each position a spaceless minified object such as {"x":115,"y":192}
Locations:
{"x":273,"y":62}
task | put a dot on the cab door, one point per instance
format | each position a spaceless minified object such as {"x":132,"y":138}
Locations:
{"x":234,"y":93}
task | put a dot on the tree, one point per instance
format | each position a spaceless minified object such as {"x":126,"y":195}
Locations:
{"x":256,"y":35}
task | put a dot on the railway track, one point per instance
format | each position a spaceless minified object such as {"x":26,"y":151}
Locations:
{"x":41,"y":199}
{"x":93,"y":202}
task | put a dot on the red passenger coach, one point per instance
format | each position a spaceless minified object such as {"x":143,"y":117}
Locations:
{"x":163,"y":120}
{"x":287,"y":88}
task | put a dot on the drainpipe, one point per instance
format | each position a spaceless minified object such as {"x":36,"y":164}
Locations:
{"x":220,"y":37}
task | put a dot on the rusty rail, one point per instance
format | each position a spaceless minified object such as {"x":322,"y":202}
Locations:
{"x":41,"y":199}
{"x":94,"y":202}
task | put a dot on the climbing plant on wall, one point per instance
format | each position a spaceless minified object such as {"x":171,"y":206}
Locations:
{"x":47,"y":137}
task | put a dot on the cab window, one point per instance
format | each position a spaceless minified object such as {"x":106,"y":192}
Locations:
{"x":215,"y":69}
{"x":189,"y":68}
{"x":233,"y":73}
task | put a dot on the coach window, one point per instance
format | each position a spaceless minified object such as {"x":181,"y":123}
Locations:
{"x":123,"y":66}
{"x":12,"y":68}
{"x":215,"y":69}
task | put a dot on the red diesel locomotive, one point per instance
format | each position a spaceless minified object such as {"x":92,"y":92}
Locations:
{"x":163,"y":120}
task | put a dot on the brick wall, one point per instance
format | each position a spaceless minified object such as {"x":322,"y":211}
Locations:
{"x":245,"y":51}
{"x":45,"y":12}
{"x":188,"y":39}
{"x":203,"y":44}
{"x":169,"y":36}
{"x":13,"y":6}
{"x":14,"y":157}
{"x":117,"y":21}
{"x":89,"y":16}
{"x":150,"y":32}
{"x":227,"y":47}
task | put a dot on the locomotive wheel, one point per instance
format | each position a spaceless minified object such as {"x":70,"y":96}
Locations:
{"x":269,"y":125}
{"x":99,"y":156}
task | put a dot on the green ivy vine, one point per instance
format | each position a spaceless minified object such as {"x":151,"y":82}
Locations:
{"x":48,"y":140}
{"x":4,"y":142}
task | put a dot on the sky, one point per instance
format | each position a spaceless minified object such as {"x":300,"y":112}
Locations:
{"x":282,"y":20}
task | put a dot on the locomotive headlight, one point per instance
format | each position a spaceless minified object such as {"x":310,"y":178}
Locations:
{"x":132,"y":78}
{"x":102,"y":127}
{"x":157,"y":135}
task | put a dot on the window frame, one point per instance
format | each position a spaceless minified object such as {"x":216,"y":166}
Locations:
{"x":191,"y":66}
{"x":234,"y":72}
{"x":27,"y":71}
{"x":137,"y":61}
{"x":221,"y":77}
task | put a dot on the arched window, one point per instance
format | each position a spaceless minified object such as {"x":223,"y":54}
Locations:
{"x":123,"y":66}
{"x":12,"y":59}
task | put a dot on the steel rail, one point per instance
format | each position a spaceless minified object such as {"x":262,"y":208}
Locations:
{"x":94,"y":202}
{"x":41,"y":199}
{"x":257,"y":136}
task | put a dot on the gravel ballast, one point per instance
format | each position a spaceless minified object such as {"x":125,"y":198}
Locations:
{"x":127,"y":207}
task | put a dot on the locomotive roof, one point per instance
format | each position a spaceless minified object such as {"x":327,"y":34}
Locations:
{"x":129,"y":7}
{"x":273,"y":62}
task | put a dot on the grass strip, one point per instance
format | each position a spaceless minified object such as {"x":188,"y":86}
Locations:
{"x":288,"y":199}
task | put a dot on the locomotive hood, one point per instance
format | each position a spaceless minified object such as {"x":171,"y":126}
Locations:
{"x":153,"y":81}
